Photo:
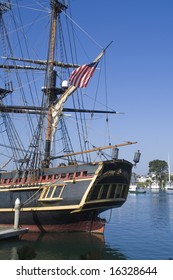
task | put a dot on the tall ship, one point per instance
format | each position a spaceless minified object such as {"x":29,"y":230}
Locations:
{"x":63,"y":180}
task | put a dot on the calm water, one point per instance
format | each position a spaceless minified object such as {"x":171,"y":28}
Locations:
{"x":142,"y":229}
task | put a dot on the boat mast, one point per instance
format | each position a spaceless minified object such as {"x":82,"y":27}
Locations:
{"x":169,"y":170}
{"x":50,"y":88}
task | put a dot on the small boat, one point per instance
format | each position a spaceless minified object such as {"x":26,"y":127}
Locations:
{"x":155,"y":185}
{"x":63,"y":177}
{"x":169,"y":184}
{"x":134,"y":188}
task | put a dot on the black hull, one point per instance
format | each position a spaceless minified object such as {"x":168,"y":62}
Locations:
{"x":73,"y":202}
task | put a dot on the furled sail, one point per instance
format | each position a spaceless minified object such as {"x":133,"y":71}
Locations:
{"x":58,"y":107}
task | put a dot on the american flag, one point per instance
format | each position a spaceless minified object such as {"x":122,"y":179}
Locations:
{"x":81,"y":76}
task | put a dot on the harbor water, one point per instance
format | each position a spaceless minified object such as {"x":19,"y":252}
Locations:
{"x":141,"y":229}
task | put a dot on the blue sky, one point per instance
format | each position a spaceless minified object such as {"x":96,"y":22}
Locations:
{"x":141,"y":70}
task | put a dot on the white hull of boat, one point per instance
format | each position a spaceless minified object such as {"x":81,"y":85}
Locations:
{"x":136,"y":189}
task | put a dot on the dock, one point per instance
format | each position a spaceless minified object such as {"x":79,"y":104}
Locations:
{"x":10,"y":232}
{"x":15,"y":230}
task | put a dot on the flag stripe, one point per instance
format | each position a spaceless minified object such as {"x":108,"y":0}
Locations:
{"x":78,"y":77}
{"x":76,"y":73}
{"x":87,"y":77}
{"x":81,"y":76}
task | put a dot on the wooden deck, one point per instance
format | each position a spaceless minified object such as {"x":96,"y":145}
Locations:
{"x":9,"y":232}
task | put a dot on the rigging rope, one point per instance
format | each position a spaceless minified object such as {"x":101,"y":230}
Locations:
{"x":86,"y":33}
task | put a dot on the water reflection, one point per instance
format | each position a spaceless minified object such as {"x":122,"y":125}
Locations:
{"x":54,"y":246}
{"x":140,"y":230}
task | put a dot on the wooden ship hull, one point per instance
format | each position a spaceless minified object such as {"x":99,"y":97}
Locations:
{"x":65,"y":198}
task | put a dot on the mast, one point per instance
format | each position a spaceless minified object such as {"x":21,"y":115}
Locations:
{"x":50,"y":88}
{"x":169,"y":170}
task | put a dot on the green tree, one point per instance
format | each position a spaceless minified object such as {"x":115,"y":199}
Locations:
{"x":160,"y":169}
